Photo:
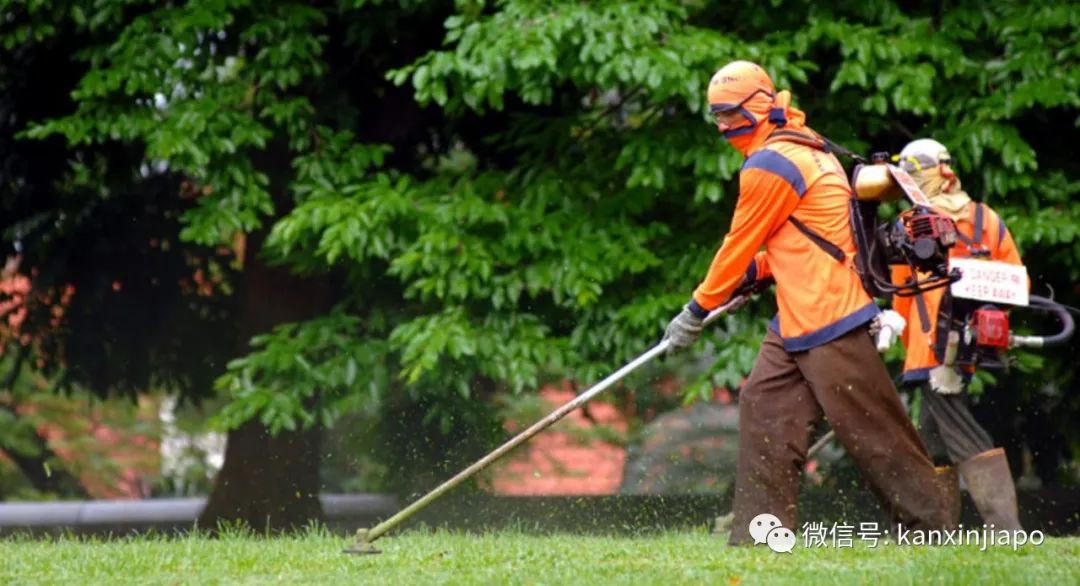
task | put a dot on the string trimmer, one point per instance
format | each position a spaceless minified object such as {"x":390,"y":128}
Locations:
{"x":367,"y":537}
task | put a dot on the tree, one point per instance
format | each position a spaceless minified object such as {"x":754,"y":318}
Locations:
{"x":118,"y":105}
{"x":501,"y":193}
{"x":543,"y":241}
{"x":139,"y":317}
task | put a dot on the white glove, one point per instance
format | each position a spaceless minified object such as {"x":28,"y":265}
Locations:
{"x":886,"y":328}
{"x":946,"y":380}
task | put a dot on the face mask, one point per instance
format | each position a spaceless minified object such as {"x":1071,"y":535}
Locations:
{"x":943,"y":190}
{"x":742,"y":141}
{"x":937,"y":181}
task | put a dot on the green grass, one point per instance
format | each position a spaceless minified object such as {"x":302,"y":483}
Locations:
{"x":420,"y":557}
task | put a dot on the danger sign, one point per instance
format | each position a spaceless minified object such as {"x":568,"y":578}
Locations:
{"x":990,"y":281}
{"x":915,"y":195}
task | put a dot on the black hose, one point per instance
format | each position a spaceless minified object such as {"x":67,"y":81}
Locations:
{"x":1070,"y":308}
{"x":1068,"y":326}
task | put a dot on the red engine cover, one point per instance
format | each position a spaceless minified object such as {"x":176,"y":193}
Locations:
{"x":991,"y":327}
{"x":932,"y":225}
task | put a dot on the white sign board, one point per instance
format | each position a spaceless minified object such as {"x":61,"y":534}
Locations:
{"x":990,"y":281}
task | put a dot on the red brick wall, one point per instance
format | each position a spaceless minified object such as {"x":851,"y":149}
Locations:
{"x":554,"y":463}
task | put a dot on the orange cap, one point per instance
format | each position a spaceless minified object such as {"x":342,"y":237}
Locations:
{"x":737,"y":82}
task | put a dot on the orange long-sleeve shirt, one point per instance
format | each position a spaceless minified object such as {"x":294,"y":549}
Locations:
{"x":819,"y":298}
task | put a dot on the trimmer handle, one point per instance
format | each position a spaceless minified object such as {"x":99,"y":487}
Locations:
{"x":740,"y":297}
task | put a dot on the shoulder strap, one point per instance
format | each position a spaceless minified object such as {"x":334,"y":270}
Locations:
{"x":977,"y":236}
{"x":816,"y":141}
{"x":803,"y":138}
{"x":829,"y":248}
{"x":974,"y":243}
{"x":924,"y":314}
{"x":841,"y":150}
{"x":808,"y":139}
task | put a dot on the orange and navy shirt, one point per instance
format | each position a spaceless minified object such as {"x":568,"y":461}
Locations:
{"x":819,"y":297}
{"x":920,"y":337}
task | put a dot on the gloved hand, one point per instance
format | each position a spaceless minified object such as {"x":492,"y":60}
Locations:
{"x":684,"y":330}
{"x":946,"y":380}
{"x":886,"y":328}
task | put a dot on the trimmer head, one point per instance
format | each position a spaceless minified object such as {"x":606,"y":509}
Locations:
{"x":362,"y":545}
{"x":722,"y":524}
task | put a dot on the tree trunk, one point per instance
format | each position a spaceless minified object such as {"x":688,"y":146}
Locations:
{"x":269,"y":482}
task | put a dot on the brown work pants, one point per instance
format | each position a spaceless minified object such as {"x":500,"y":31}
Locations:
{"x":846,"y":381}
{"x":949,"y":429}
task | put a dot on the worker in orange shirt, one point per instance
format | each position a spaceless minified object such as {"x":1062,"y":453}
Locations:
{"x":792,"y":224}
{"x":947,"y":425}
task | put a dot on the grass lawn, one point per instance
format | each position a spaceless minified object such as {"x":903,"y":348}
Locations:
{"x":421,"y":557}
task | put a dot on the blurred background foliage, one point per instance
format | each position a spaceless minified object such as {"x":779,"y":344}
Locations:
{"x":389,"y":217}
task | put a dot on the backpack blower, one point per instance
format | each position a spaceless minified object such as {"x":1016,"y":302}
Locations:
{"x":973,"y":322}
{"x":920,"y":238}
